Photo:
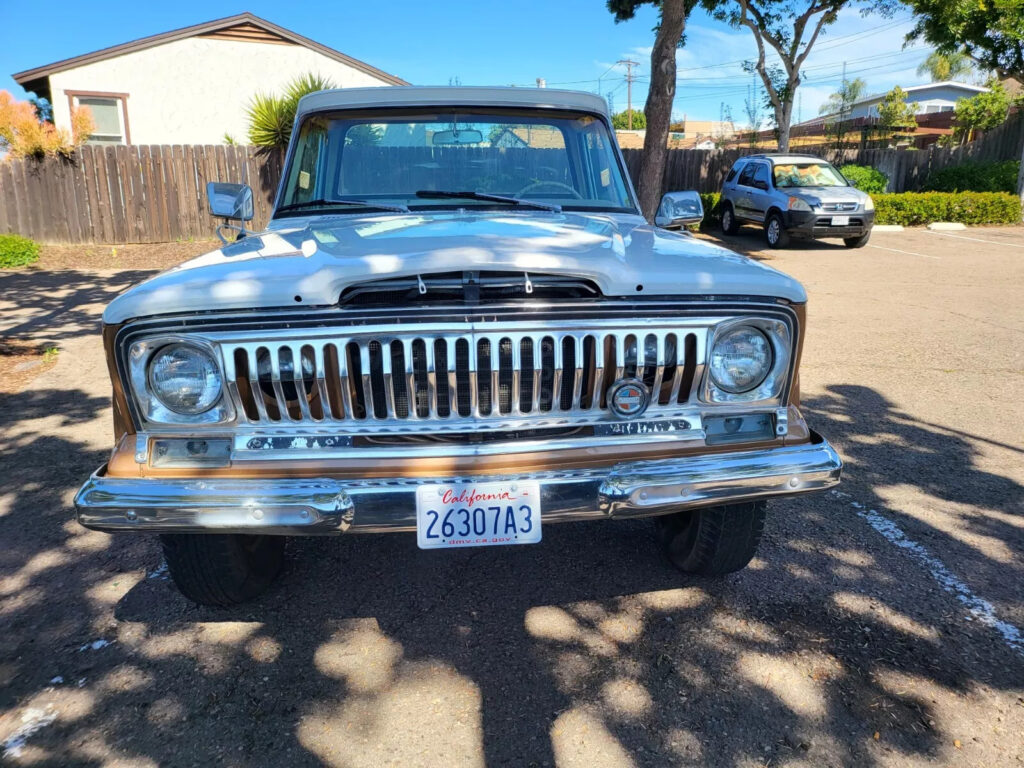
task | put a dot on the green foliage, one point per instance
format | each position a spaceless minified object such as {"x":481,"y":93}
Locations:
{"x":620,"y":121}
{"x":991,"y":33}
{"x":17,"y":251}
{"x":982,"y":112}
{"x":947,"y":66}
{"x":271,"y":116}
{"x":975,"y":177}
{"x":865,"y":178}
{"x":895,"y":114}
{"x":910,"y":208}
{"x":712,"y":216}
{"x":841,"y":101}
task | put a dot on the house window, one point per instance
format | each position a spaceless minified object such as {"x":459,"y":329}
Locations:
{"x":109,"y":114}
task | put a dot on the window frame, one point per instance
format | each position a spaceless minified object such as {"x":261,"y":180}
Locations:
{"x":74,"y":96}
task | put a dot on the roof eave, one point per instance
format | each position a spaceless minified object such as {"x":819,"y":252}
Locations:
{"x":142,"y":43}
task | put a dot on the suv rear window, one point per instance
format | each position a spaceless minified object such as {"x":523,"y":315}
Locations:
{"x":735,"y":169}
{"x":748,"y":174}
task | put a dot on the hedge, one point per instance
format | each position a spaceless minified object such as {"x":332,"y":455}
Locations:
{"x":910,"y":208}
{"x":865,"y":178}
{"x":974,"y":177}
{"x":711,"y":214}
{"x":17,"y":251}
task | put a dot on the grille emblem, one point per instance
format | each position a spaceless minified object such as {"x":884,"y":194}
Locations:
{"x":628,"y":398}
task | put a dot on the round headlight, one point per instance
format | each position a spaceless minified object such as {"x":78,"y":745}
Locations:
{"x":185,"y":378}
{"x":740,"y":359}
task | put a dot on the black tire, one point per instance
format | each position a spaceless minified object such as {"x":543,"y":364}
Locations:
{"x":222,"y":569}
{"x":729,"y":224}
{"x":857,"y":242}
{"x":775,"y":233}
{"x":715,"y":540}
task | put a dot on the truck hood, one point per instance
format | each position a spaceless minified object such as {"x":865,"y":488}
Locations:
{"x":310,"y":261}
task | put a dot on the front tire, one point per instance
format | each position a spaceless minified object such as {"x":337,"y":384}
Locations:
{"x":222,"y":569}
{"x":857,"y":242}
{"x":775,"y":231}
{"x":729,"y":224}
{"x":715,"y":540}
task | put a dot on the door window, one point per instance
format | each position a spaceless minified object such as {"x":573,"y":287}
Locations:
{"x":748,"y":174}
{"x":761,"y":176}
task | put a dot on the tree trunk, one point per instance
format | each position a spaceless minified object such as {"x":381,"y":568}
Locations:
{"x":1020,"y":177}
{"x":658,"y":109}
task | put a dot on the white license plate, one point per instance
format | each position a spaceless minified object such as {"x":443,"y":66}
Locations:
{"x":477,"y":514}
{"x":840,"y":221}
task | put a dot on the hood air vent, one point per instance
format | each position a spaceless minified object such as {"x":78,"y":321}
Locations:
{"x":468,"y":288}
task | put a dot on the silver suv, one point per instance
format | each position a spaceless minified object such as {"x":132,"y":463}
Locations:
{"x":795,"y":195}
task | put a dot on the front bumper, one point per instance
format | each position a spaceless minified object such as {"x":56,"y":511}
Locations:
{"x":811,"y":224}
{"x":295,"y":506}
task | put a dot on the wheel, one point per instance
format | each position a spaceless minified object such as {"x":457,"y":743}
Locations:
{"x":715,"y":540}
{"x":775,"y":231}
{"x":857,"y":242}
{"x":729,"y":224}
{"x":222,"y":568}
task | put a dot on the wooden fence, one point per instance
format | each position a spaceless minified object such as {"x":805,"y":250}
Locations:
{"x":143,"y":194}
{"x":128,"y":194}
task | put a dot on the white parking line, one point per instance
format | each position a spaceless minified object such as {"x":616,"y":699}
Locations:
{"x":976,"y":239}
{"x":897,"y":250}
{"x":977,"y":608}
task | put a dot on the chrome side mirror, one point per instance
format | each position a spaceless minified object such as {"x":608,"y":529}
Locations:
{"x":679,"y":209}
{"x":230,"y":201}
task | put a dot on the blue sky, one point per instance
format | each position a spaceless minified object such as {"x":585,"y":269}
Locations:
{"x":570,"y":43}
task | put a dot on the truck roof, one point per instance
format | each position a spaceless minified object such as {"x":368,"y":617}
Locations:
{"x":785,"y":157}
{"x":451,"y":96}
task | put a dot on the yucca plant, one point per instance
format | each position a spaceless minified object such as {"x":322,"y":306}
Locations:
{"x":271,"y":116}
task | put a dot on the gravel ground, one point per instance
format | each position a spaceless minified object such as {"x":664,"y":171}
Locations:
{"x":880,"y":625}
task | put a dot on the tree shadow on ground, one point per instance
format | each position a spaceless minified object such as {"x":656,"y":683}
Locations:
{"x":58,"y":305}
{"x":587,"y":649}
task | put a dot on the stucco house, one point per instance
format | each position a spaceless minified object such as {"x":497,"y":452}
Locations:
{"x":190,"y":85}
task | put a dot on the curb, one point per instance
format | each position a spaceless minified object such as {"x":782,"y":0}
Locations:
{"x":887,"y":228}
{"x":946,"y":226}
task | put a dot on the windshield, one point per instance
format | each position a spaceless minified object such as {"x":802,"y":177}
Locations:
{"x":562,"y":159}
{"x":808,"y":175}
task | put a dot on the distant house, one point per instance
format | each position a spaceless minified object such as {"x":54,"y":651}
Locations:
{"x":190,"y":85}
{"x":930,"y":98}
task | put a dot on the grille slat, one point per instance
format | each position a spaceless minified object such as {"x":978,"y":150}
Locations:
{"x":412,"y":377}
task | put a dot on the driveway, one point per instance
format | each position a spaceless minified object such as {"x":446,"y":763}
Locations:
{"x":881,"y":625}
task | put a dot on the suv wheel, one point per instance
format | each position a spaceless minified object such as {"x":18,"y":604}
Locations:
{"x":857,"y":242}
{"x":775,"y":231}
{"x":729,"y":224}
{"x":715,"y":540}
{"x":222,"y":569}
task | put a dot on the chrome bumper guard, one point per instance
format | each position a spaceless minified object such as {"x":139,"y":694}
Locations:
{"x":293,"y":506}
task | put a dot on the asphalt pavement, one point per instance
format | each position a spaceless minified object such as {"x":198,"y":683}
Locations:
{"x":881,"y":624}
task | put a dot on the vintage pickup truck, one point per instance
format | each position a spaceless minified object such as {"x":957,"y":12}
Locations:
{"x":457,"y":324}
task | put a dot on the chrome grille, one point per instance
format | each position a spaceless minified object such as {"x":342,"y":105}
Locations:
{"x":839,"y":206}
{"x":425,"y":379}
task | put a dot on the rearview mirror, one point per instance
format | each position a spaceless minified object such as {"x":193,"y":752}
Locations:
{"x":442,"y":138}
{"x":230,"y":201}
{"x":679,"y":209}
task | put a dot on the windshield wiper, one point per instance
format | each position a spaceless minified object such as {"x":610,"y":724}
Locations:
{"x":324,"y":202}
{"x":439,"y":194}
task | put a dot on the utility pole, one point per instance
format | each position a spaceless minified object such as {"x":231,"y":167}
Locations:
{"x":630,"y":77}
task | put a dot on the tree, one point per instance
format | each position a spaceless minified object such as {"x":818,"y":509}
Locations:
{"x":271,"y":117}
{"x":790,"y":28}
{"x":620,"y":121}
{"x":982,"y":112}
{"x":752,"y":106}
{"x":23,"y":134}
{"x":990,"y":33}
{"x":947,"y":66}
{"x":661,"y":93}
{"x":895,"y":114}
{"x":839,"y":106}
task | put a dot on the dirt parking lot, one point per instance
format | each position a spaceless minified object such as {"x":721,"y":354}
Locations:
{"x":881,"y":625}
